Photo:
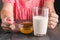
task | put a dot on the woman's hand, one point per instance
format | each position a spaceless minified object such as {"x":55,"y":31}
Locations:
{"x":8,"y":24}
{"x":53,"y":20}
{"x":9,"y":27}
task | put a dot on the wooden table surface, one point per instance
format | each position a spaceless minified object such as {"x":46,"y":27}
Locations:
{"x":51,"y":35}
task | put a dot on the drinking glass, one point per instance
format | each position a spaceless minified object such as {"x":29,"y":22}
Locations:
{"x":40,"y":20}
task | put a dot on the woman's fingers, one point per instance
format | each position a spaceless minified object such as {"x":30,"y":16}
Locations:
{"x":52,"y":24}
{"x":12,"y":27}
{"x":53,"y":20}
{"x":54,"y":15}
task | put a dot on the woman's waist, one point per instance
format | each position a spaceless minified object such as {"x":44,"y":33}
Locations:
{"x":22,"y":21}
{"x":23,"y":17}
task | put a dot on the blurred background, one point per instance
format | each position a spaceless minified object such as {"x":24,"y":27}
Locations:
{"x":56,"y":5}
{"x":0,"y":7}
{"x":0,"y":4}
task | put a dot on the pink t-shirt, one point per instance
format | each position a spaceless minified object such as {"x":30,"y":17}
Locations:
{"x":23,"y":8}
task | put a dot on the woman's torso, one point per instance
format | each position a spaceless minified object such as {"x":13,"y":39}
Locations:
{"x":23,"y":8}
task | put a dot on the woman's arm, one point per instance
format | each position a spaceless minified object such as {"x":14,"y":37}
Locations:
{"x":7,"y":10}
{"x":50,"y":5}
{"x":53,"y":17}
{"x":7,"y":15}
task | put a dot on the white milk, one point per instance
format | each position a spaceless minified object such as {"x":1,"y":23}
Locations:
{"x":40,"y":25}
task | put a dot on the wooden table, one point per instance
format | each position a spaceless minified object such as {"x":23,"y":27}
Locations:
{"x":51,"y":35}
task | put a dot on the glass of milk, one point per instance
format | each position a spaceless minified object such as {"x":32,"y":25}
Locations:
{"x":40,"y":21}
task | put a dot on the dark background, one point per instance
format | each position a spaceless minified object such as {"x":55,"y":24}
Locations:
{"x":0,"y":4}
{"x":56,"y":5}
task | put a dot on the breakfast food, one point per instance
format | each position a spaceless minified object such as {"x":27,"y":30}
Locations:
{"x":27,"y":28}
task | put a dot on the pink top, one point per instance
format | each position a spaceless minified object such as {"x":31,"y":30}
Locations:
{"x":23,"y":8}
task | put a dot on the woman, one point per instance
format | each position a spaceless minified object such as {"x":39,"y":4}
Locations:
{"x":13,"y":10}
